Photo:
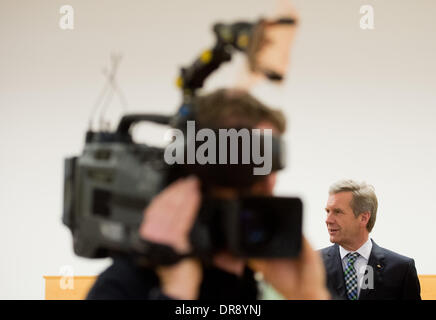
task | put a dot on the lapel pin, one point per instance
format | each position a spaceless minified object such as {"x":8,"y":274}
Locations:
{"x":379,"y":266}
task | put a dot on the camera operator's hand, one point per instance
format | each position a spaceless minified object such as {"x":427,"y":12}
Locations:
{"x":168,"y":220}
{"x":301,"y":279}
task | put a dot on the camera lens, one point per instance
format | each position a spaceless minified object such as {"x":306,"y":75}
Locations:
{"x":255,"y":230}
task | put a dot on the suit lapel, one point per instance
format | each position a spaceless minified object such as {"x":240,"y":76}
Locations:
{"x":376,"y":263}
{"x":335,"y":272}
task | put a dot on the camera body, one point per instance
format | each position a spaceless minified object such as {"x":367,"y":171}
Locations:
{"x":105,"y":192}
{"x":107,"y":188}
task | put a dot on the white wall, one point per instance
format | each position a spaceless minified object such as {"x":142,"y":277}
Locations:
{"x":361,"y":104}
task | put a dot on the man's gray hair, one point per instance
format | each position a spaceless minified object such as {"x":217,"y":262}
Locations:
{"x":364,"y":198}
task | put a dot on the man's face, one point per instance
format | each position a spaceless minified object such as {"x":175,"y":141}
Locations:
{"x":342,"y":225}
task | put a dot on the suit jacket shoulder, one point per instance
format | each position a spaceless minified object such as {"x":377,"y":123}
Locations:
{"x":327,"y":250}
{"x":395,"y":258}
{"x":395,"y":275}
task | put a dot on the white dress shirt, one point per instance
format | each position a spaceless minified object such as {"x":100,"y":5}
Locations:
{"x":361,"y":262}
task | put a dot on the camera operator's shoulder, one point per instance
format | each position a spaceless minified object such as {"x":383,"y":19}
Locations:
{"x":123,"y":280}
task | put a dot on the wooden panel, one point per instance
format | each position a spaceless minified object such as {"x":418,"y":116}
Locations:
{"x":61,"y":288}
{"x":428,"y":287}
{"x":67,"y":288}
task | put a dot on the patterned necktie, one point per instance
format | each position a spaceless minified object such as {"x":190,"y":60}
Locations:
{"x":351,"y":276}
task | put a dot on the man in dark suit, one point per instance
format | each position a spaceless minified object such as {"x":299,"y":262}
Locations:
{"x":357,"y":268}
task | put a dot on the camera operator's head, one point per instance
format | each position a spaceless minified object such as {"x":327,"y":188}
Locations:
{"x":170,"y":217}
{"x":236,"y":108}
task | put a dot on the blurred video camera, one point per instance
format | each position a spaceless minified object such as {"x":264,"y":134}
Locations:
{"x":108,"y":186}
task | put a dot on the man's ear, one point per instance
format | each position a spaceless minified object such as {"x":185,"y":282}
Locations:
{"x":271,"y":180}
{"x":364,"y":217}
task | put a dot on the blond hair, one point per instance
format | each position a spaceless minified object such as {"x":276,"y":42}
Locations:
{"x":364,"y":198}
